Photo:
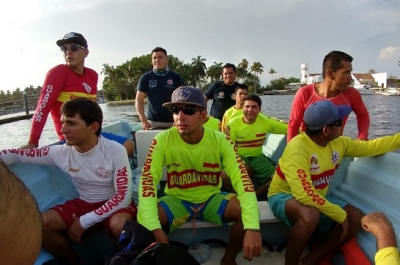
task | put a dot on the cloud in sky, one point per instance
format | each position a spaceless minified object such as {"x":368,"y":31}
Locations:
{"x":281,"y":35}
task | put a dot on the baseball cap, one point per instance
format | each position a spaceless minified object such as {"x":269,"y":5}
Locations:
{"x":73,"y":37}
{"x":188,"y":95}
{"x":323,"y":113}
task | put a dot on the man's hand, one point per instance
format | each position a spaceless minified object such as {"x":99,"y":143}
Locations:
{"x":28,"y":146}
{"x":252,"y":244}
{"x":160,"y":236}
{"x":76,"y":231}
{"x":375,"y":223}
{"x":145,"y":125}
{"x":345,"y":229}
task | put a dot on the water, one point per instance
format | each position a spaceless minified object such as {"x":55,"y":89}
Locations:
{"x":384,"y":114}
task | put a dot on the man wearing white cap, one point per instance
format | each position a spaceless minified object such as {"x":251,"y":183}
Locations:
{"x":297,"y":194}
{"x":193,"y":189}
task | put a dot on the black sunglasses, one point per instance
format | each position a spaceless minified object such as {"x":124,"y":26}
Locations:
{"x":186,"y":110}
{"x":337,"y":123}
{"x":73,"y":47}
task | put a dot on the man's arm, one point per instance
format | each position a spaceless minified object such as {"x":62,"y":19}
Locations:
{"x":362,"y":115}
{"x":276,"y":127}
{"x":40,"y":156}
{"x":151,"y":175}
{"x":296,"y":115}
{"x":139,"y":104}
{"x":52,"y":87}
{"x":380,"y":226}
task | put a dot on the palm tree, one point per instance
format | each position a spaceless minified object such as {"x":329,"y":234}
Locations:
{"x":199,"y":68}
{"x":214,"y":71}
{"x":272,"y":72}
{"x":256,"y":69}
{"x":242,"y":69}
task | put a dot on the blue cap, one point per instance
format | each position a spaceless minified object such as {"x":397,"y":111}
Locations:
{"x":324,"y":112}
{"x":188,"y":95}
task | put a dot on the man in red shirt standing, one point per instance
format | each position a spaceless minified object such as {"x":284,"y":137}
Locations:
{"x":62,"y":83}
{"x":336,"y":73}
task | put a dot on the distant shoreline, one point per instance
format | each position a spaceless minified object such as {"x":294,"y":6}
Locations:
{"x":121,"y":102}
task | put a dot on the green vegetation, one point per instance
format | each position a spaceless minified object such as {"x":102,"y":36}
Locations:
{"x":120,"y":81}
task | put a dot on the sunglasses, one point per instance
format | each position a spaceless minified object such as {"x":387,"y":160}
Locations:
{"x":186,"y":110}
{"x":337,"y":123}
{"x":73,"y":47}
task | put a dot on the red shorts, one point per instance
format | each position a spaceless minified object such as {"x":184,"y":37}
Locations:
{"x":80,"y":207}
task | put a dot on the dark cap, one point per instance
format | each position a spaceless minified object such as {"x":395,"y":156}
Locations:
{"x":74,"y":38}
{"x":188,"y":95}
{"x":324,"y":112}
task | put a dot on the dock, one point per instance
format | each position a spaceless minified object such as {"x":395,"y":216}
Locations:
{"x":15,"y":118}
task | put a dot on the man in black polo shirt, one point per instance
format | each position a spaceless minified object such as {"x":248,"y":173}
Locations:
{"x":157,"y":85}
{"x":222,"y":92}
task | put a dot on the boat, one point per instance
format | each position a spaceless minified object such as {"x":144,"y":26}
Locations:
{"x":391,"y":92}
{"x":364,"y":89}
{"x":371,"y":184}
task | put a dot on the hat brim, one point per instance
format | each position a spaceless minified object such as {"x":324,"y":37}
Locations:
{"x":70,"y":40}
{"x":344,"y":110}
{"x":170,"y":104}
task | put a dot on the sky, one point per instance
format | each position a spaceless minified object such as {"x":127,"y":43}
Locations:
{"x":280,"y":34}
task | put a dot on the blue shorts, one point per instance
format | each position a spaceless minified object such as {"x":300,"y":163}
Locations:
{"x":179,"y":211}
{"x":277,"y":204}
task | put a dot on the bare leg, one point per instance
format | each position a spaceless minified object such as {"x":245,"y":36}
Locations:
{"x":331,"y":241}
{"x":55,"y":238}
{"x":117,"y":222}
{"x":263,"y":189}
{"x":304,"y":220}
{"x":233,"y":213}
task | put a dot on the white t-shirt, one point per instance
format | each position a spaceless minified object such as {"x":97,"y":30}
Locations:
{"x":101,"y":174}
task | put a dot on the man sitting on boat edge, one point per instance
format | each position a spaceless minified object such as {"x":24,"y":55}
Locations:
{"x":298,"y":191}
{"x":194,"y":182}
{"x":100,"y":171}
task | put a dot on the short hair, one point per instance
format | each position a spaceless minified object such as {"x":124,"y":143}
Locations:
{"x":159,"y":49}
{"x":333,"y":60}
{"x":88,"y":110}
{"x":254,"y":98}
{"x":21,"y":221}
{"x":241,"y":86}
{"x":313,"y":133}
{"x":229,"y":65}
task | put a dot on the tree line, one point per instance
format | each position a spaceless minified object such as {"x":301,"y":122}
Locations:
{"x":120,"y":81}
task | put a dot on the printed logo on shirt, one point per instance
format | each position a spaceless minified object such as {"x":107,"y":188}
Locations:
{"x":335,"y":157}
{"x":39,"y":113}
{"x":37,"y":152}
{"x":147,"y":178}
{"x":211,"y":165}
{"x":173,"y":165}
{"x":170,"y":81}
{"x":314,"y":163}
{"x":221,"y":95}
{"x":122,"y":189}
{"x":309,"y":188}
{"x":75,"y":170}
{"x":152,"y":83}
{"x":102,"y":173}
{"x":192,"y":178}
{"x":87,"y":87}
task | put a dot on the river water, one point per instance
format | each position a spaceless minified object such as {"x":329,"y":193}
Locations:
{"x":384,"y":114}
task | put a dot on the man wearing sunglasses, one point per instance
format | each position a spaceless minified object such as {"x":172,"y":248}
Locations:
{"x":63,"y":82}
{"x":298,"y":191}
{"x":194,"y":157}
